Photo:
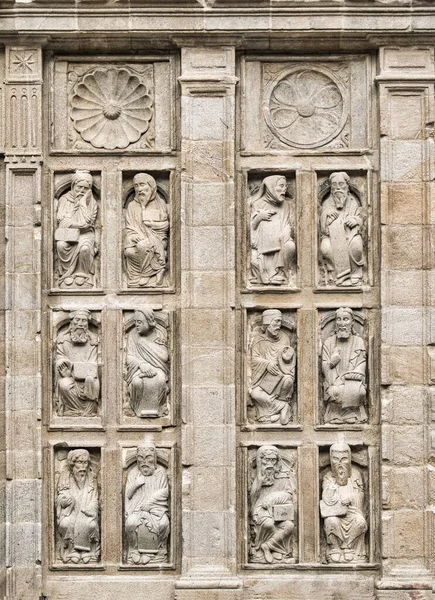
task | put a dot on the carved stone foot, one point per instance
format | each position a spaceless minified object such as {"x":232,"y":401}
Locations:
{"x":267,"y":553}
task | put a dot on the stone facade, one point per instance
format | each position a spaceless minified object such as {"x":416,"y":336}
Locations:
{"x":218,"y":300}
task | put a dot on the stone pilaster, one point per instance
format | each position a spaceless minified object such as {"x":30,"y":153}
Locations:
{"x":23,"y":144}
{"x":406,"y":113}
{"x":208,"y":517}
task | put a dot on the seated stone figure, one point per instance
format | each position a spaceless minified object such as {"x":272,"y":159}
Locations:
{"x":77,"y":511}
{"x":272,"y":509}
{"x":342,"y":508}
{"x":273,"y":367}
{"x":147,"y":366}
{"x":344,"y":362}
{"x":147,"y":524}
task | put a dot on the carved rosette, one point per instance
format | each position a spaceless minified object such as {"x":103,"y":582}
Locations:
{"x":111,"y":108}
{"x":306,"y":107}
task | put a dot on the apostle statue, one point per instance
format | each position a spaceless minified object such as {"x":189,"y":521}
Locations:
{"x":341,"y":243}
{"x":272,"y":509}
{"x":344,"y":362}
{"x":76,"y":368}
{"x":272,"y":246}
{"x":147,"y":365}
{"x":273,"y":370}
{"x":342,"y":508}
{"x":77,"y":510}
{"x":147,"y":525}
{"x":146,"y":235}
{"x":76,"y":244}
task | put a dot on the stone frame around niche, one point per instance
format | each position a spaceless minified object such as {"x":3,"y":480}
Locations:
{"x":249,"y":316}
{"x":97,"y":453}
{"x":57,"y":318}
{"x":59,"y":182}
{"x":362,"y":182}
{"x":367,"y":324}
{"x":246,"y":458}
{"x":249,"y":183}
{"x":166,"y":180}
{"x":368,"y":461}
{"x":167,"y":452}
{"x":134,"y":423}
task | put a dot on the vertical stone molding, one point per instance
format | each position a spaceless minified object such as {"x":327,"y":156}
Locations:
{"x":407,"y":172}
{"x":23,"y":134}
{"x":208,"y":520}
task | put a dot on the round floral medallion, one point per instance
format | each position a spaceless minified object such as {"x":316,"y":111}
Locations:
{"x":111,"y":108}
{"x":305,"y":107}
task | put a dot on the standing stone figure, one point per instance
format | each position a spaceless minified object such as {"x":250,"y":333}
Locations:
{"x":77,"y":510}
{"x":341,"y":244}
{"x":344,"y":362}
{"x":146,"y":235}
{"x":272,"y":246}
{"x":76,"y":244}
{"x":272,"y":508}
{"x":76,"y":368}
{"x":342,"y":508}
{"x":147,"y":364}
{"x":147,"y":525}
{"x":273,"y":370}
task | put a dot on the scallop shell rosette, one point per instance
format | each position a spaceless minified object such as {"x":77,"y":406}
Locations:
{"x":111,"y":108}
{"x":306,"y":107}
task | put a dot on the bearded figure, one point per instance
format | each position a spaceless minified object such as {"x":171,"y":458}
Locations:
{"x":76,"y":244}
{"x":273,"y":370}
{"x":342,"y":508}
{"x":341,"y":244}
{"x":146,"y":235}
{"x":147,"y":361}
{"x":344,"y":363}
{"x":272,"y":246}
{"x":76,"y":368}
{"x":147,"y":524}
{"x":272,"y":509}
{"x":77,"y":511}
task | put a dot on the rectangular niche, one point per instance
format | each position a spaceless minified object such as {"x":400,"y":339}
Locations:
{"x":148,"y":369}
{"x":148,"y":231}
{"x":306,"y":105}
{"x":344,"y":236}
{"x":347,"y":505}
{"x":75,"y":507}
{"x":270,"y":231}
{"x":76,"y":248}
{"x":75,"y":375}
{"x":269,"y":528}
{"x":345,"y":369}
{"x":268,"y":393}
{"x":112,"y":106}
{"x":149,"y":517}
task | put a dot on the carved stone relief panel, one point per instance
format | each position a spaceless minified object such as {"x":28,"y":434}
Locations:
{"x":271,"y":369}
{"x":344,"y":504}
{"x":112,"y":106}
{"x":307,"y":104}
{"x":272,"y":506}
{"x":343,"y":230}
{"x":146,"y":236}
{"x":77,"y":507}
{"x":147,"y":506}
{"x":147,"y":365}
{"x":343,"y":368}
{"x":77,"y":230}
{"x":271,"y":227}
{"x":76,"y":364}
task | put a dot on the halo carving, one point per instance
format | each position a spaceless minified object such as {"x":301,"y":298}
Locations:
{"x":306,"y":107}
{"x":111,"y":108}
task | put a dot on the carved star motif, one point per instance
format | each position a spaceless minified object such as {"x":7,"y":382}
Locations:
{"x":24,"y":62}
